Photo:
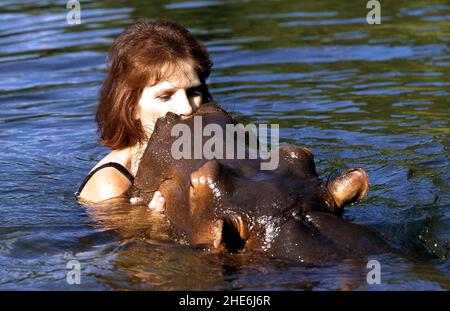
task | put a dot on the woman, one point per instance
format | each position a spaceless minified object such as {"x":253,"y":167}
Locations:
{"x":154,"y":68}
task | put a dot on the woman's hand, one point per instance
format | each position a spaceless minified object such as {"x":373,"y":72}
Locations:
{"x":156,"y":204}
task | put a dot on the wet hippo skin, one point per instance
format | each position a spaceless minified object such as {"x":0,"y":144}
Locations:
{"x":233,"y":205}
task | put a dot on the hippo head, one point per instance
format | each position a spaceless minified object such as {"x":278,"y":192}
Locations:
{"x":232,"y":202}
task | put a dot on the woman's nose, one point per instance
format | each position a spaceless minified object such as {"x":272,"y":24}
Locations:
{"x":183,"y":105}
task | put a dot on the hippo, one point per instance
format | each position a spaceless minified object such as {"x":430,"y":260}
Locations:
{"x":233,"y":206}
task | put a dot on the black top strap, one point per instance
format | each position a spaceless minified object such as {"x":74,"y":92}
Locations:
{"x":115,"y":165}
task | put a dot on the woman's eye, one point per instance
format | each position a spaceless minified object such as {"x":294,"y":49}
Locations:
{"x":194,"y":93}
{"x":164,"y":98}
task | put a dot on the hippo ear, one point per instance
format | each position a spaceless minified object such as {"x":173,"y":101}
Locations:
{"x":348,"y":188}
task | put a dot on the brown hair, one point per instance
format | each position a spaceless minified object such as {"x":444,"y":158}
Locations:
{"x":144,"y":54}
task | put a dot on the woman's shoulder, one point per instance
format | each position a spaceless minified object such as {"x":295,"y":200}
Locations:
{"x":108,"y":182}
{"x":122,"y":156}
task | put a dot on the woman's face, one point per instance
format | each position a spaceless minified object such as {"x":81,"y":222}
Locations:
{"x":181,"y":94}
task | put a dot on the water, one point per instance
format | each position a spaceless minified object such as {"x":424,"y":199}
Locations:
{"x":374,"y":96}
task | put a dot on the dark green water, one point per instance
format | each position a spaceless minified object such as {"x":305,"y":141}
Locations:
{"x":375,"y":96}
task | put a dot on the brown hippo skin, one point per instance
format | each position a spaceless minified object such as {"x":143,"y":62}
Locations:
{"x":232,"y":205}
